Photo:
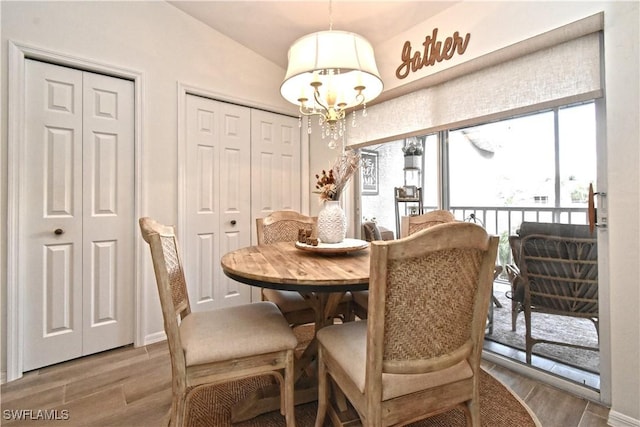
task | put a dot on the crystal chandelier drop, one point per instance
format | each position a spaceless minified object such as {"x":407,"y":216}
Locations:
{"x":328,"y":73}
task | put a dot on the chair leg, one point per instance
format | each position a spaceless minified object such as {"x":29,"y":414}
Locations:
{"x":496,"y":301}
{"x":512,"y":296}
{"x":514,"y":314}
{"x":178,"y":411}
{"x":472,"y":414}
{"x":528,"y":338}
{"x":323,"y":390}
{"x":289,"y":397}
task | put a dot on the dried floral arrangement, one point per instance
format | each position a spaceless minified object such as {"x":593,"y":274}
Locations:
{"x":330,"y":184}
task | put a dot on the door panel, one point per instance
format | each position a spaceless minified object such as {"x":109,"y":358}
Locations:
{"x":241,"y":163}
{"x":76,"y":236}
{"x":264,"y":199}
{"x":275,"y":154}
{"x":108,"y":238}
{"x":58,"y":298}
{"x":217,"y":199}
{"x":235,"y":200}
{"x":200,"y":239}
{"x":53,"y":201}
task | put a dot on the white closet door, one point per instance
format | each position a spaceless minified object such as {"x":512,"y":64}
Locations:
{"x":275,"y":164}
{"x":217,"y":199}
{"x":109,"y":226}
{"x":76,"y":243}
{"x":52,"y":263}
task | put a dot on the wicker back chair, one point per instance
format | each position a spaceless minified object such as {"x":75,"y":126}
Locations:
{"x":557,"y":273}
{"x":283,"y":226}
{"x":410,"y":225}
{"x":413,"y":224}
{"x":360,"y":299}
{"x":418,"y":353}
{"x":212,"y":347}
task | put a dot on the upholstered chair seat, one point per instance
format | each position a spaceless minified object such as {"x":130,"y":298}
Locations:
{"x":286,"y":301}
{"x":347,"y":346}
{"x":245,"y":330}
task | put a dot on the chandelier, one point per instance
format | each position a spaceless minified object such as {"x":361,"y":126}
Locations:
{"x":330,"y":72}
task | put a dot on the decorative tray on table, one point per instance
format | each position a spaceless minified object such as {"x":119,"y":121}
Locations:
{"x":347,"y":245}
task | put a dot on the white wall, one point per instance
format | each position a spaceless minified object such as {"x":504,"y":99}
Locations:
{"x":167,"y":47}
{"x":622,"y":77}
{"x":495,"y":25}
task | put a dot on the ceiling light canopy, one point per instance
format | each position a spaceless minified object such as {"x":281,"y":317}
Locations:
{"x":329,"y":72}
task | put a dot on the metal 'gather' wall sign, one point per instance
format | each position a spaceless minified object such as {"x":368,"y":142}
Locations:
{"x":434,"y":51}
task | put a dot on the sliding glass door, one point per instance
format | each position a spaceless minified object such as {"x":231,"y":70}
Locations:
{"x":536,"y":168}
{"x":532,"y":168}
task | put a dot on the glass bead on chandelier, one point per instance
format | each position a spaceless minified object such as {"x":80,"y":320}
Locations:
{"x":334,"y":131}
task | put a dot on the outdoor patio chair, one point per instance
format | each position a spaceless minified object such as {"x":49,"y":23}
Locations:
{"x":283,"y":226}
{"x":516,"y":294}
{"x":216,"y":346}
{"x":418,"y":353}
{"x":557,"y":273}
{"x":372,"y":231}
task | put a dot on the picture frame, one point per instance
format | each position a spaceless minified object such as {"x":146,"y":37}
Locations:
{"x":369,"y":173}
{"x":410,"y":191}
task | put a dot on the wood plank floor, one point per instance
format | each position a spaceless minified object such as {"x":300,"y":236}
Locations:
{"x":132,"y":387}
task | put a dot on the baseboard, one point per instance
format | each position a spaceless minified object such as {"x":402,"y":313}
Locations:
{"x":616,"y":419}
{"x":3,"y":377}
{"x":154,"y":338}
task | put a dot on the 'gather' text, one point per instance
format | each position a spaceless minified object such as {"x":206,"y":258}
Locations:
{"x":434,"y":51}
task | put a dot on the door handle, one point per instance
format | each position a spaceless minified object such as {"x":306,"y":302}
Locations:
{"x":592,"y":211}
{"x":58,"y":231}
{"x":233,"y":222}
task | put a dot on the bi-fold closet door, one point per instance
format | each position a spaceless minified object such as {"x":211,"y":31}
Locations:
{"x":240,"y":164}
{"x":76,"y":214}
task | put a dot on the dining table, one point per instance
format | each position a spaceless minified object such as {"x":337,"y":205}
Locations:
{"x":322,"y":275}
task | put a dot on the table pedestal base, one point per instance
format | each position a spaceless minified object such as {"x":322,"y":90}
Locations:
{"x":267,"y":399}
{"x":347,"y":417}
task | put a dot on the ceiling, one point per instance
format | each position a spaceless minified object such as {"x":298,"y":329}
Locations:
{"x":270,"y":27}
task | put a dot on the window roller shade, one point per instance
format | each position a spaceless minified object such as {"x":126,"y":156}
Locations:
{"x":561,"y":74}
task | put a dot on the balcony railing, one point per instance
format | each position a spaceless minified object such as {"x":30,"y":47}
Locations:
{"x":498,"y":220}
{"x":504,"y":221}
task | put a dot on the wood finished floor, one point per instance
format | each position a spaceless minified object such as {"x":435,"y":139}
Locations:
{"x":132,"y":387}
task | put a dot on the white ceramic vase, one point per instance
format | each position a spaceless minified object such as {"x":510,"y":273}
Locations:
{"x":332,"y":222}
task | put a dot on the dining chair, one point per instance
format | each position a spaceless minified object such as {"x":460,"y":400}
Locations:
{"x":409,"y":225}
{"x":283,"y":226}
{"x":412,"y":224}
{"x":418,"y":353}
{"x":216,"y":346}
{"x":371,"y":232}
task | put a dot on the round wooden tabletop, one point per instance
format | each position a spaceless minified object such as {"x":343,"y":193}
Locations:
{"x":283,"y":266}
